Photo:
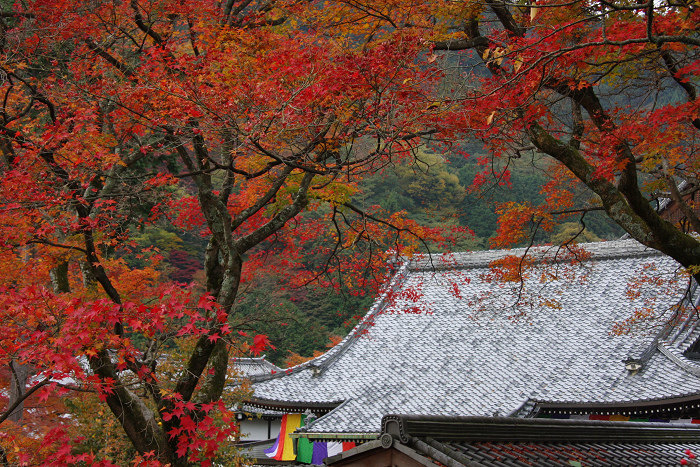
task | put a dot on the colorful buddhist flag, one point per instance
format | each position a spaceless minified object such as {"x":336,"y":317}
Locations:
{"x":283,"y":449}
{"x":320,"y":453}
{"x":272,"y":451}
{"x":619,"y":418}
{"x":323,"y":449}
{"x":334,"y":447}
{"x":305,"y":448}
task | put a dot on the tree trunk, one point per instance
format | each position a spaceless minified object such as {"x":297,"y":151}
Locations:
{"x":18,"y":386}
{"x":136,"y":418}
{"x":59,"y":278}
{"x":89,"y":280}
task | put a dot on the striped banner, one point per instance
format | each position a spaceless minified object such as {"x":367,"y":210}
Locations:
{"x":303,"y":450}
{"x":323,"y":449}
{"x":283,"y":449}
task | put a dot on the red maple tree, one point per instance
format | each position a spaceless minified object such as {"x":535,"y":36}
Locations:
{"x":600,"y":95}
{"x":232,"y":118}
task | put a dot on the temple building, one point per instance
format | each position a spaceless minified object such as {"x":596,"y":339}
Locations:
{"x":600,"y":333}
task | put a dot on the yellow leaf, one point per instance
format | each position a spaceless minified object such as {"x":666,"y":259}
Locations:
{"x":489,"y":119}
{"x":533,"y":12}
{"x":517,"y":63}
{"x":499,"y":54}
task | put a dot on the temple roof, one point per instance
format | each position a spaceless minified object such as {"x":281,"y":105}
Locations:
{"x":504,"y":441}
{"x":251,"y":367}
{"x":451,"y":337}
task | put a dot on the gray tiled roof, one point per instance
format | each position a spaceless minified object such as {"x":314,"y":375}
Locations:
{"x":588,"y":454}
{"x":470,"y":351}
{"x":246,"y":367}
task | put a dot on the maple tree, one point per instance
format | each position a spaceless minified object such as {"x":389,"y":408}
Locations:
{"x":607,"y":91}
{"x":232,"y":118}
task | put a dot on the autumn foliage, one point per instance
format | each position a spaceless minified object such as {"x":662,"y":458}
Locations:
{"x":601,"y":97}
{"x":252,"y":123}
{"x":238,"y":121}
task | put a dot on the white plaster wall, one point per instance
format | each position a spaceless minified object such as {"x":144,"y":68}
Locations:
{"x":255,"y":429}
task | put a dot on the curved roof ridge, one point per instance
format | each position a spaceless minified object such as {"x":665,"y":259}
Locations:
{"x":323,"y":361}
{"x":475,"y":259}
{"x":679,"y":359}
{"x":338,"y":408}
{"x":367,"y":321}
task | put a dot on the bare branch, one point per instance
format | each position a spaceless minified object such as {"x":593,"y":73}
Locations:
{"x":138,"y":18}
{"x":22,"y":398}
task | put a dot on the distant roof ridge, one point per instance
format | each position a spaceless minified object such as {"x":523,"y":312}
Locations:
{"x":475,"y":259}
{"x":260,"y":360}
{"x":253,"y":367}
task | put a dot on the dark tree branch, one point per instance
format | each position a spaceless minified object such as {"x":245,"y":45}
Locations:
{"x":677,"y":198}
{"x":504,"y":15}
{"x":280,"y":219}
{"x":290,"y":162}
{"x":138,"y":18}
{"x":57,"y":245}
{"x":193,"y":39}
{"x":364,"y":215}
{"x":461,"y":44}
{"x":640,"y":220}
{"x":578,"y":126}
{"x":35,"y":94}
{"x":263,"y":200}
{"x":687,"y":86}
{"x":124,"y":68}
{"x":4,"y":416}
{"x":230,"y":13}
{"x":578,"y":210}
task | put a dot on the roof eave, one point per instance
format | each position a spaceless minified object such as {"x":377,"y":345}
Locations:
{"x":295,"y":406}
{"x":507,"y":429}
{"x":336,"y":436}
{"x":644,"y":406}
